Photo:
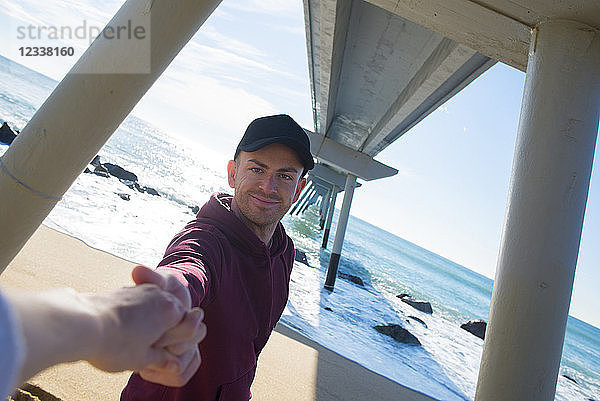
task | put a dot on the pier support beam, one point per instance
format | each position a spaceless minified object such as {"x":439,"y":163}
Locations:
{"x":303,"y":196}
{"x":340,"y":232}
{"x":330,"y":212}
{"x":324,"y":208}
{"x":300,"y":210}
{"x":548,"y":194}
{"x":310,"y":201}
{"x":83,"y":111}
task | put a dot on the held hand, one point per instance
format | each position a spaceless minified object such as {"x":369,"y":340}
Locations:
{"x":176,"y":372}
{"x":182,"y":344}
{"x":130,"y":321}
{"x":166,"y":282}
{"x":181,"y":341}
{"x":149,"y":326}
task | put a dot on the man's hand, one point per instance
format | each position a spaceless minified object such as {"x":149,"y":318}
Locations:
{"x":181,"y":341}
{"x":166,"y":282}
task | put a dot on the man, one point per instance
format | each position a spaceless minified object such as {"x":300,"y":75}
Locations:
{"x":150,"y":328}
{"x":236,"y":259}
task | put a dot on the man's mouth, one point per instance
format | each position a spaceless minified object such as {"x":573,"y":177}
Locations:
{"x":264,"y":201}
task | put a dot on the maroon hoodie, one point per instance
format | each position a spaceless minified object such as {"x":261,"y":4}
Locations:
{"x":242,"y":286}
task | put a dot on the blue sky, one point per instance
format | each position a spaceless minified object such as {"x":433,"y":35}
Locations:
{"x":249,"y":59}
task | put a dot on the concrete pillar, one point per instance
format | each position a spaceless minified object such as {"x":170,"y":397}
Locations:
{"x":303,"y":196}
{"x":340,"y":232}
{"x":548,"y":194}
{"x":322,"y":202}
{"x":83,"y":111}
{"x":306,"y":199}
{"x":324,"y":209}
{"x":311,"y":200}
{"x":330,"y":212}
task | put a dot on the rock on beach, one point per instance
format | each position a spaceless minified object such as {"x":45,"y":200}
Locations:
{"x":120,"y":172}
{"x":126,"y":177}
{"x":475,"y":327}
{"x":423,"y":306}
{"x":352,"y":278}
{"x":398,"y":333}
{"x":31,"y":392}
{"x":418,"y":320}
{"x":301,"y":257}
{"x":7,"y":135}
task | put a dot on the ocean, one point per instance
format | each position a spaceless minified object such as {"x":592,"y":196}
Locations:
{"x":185,"y":174}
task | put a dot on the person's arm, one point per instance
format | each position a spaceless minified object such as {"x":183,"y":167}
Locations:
{"x":185,"y":266}
{"x":194,"y":256}
{"x":120,"y":330}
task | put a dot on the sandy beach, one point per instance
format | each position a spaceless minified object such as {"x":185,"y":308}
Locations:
{"x":291,"y":366}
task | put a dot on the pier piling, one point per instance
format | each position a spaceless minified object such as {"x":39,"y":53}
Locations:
{"x":340,"y":232}
{"x":547,"y":198}
{"x":330,"y":212}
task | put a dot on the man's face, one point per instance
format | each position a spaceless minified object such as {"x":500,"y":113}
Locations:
{"x":266,"y":183}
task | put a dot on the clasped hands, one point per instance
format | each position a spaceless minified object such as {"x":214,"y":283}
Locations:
{"x":151,"y":329}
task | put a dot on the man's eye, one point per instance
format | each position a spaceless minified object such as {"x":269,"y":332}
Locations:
{"x":286,"y":177}
{"x":256,"y":170}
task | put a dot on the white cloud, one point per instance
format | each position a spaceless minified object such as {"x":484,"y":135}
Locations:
{"x":20,"y":14}
{"x":272,"y":7}
{"x":209,"y":100}
{"x":206,"y":58}
{"x":63,"y":12}
{"x":294,"y":30}
{"x":229,"y":43}
{"x":221,"y":14}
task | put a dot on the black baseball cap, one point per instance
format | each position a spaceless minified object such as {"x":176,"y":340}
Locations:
{"x":279,"y":128}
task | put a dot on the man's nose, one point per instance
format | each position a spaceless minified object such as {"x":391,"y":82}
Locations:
{"x":268,"y":184}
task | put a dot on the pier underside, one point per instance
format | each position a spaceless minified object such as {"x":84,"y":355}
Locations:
{"x":378,"y":67}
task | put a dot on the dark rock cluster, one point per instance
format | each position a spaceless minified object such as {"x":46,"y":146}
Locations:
{"x":126,"y":177}
{"x":301,"y":257}
{"x":7,"y":135}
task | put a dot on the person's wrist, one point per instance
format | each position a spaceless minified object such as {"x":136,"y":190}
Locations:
{"x":95,"y":324}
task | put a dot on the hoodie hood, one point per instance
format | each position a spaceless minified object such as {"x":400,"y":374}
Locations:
{"x":217,"y":211}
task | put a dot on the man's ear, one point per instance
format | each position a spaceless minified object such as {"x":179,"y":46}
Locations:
{"x":299,"y":188}
{"x":231,"y":170}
